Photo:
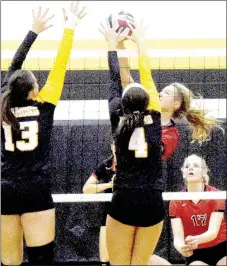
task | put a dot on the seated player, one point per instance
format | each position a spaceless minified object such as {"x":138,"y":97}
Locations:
{"x":199,"y":226}
{"x":27,"y":208}
{"x":102,"y":180}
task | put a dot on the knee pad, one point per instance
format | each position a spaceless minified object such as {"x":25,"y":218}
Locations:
{"x":42,"y":255}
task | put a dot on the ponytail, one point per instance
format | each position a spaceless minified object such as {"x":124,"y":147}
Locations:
{"x":7,"y":116}
{"x":127,"y":125}
{"x":201,"y":124}
{"x":134,"y":107}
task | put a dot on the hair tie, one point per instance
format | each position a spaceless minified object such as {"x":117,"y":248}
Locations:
{"x":132,"y":85}
{"x":136,"y":112}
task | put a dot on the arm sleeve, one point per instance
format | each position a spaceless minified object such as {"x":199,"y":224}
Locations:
{"x":115,"y":90}
{"x":148,"y":83}
{"x":52,"y":90}
{"x":19,"y":57}
{"x":218,"y":205}
{"x":174,"y":211}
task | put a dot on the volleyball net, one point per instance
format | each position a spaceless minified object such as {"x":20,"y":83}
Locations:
{"x":167,"y":196}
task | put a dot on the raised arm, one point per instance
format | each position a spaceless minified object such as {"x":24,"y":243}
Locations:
{"x":115,"y":89}
{"x":52,"y":90}
{"x":126,"y":77}
{"x":39,"y":24}
{"x":138,"y":35}
{"x":148,"y":82}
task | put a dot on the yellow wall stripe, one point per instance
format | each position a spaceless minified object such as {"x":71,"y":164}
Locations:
{"x":102,"y":63}
{"x":102,"y":45}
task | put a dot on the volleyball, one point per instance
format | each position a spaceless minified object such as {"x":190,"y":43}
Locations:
{"x":121,"y":20}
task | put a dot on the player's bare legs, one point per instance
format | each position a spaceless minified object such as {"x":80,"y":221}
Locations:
{"x":103,"y":252}
{"x":39,"y":227}
{"x":222,"y":261}
{"x":146,"y":239}
{"x":197,"y":263}
{"x":120,"y":238}
{"x":11,"y":240}
{"x":156,"y":260}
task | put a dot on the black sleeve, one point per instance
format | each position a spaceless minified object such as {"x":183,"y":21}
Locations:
{"x":19,"y":57}
{"x":115,"y":90}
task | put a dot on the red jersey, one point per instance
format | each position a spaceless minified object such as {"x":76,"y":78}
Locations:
{"x":196,"y":217}
{"x":170,"y":139}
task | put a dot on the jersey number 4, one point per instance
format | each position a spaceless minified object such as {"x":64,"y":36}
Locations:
{"x":29,"y":135}
{"x":138,"y":143}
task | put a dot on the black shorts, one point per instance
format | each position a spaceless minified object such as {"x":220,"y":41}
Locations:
{"x":106,"y":211}
{"x":211,"y":255}
{"x":137,"y":207}
{"x":25,"y":196}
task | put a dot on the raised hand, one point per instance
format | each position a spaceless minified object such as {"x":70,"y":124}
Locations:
{"x":138,"y":34}
{"x":75,"y":13}
{"x":110,"y":33}
{"x":40,"y":20}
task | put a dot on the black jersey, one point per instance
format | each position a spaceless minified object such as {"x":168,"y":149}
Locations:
{"x":105,"y":172}
{"x":27,"y":150}
{"x":25,"y":153}
{"x":138,"y":166}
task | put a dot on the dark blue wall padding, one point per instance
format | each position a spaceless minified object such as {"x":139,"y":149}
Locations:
{"x":93,"y":84}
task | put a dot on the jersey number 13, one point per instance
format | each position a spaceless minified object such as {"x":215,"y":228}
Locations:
{"x":29,"y":135}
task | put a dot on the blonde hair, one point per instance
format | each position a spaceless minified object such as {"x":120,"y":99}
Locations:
{"x":200,"y":124}
{"x":204,"y":166}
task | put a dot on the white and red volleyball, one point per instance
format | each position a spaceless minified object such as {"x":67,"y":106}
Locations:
{"x":120,"y":20}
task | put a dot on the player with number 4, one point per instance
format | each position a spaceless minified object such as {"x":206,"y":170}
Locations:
{"x":136,"y":216}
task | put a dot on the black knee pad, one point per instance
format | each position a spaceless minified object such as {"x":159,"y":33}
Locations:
{"x":42,"y":255}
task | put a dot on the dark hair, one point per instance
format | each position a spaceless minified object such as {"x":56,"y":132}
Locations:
{"x":19,"y":85}
{"x":135,"y":102}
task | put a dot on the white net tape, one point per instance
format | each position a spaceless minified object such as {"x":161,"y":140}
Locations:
{"x":102,"y":197}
